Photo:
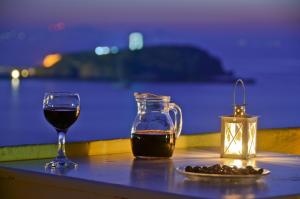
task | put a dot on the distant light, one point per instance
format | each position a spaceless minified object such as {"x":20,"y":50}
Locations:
{"x":25,"y":73}
{"x":51,"y":59}
{"x":15,"y":73}
{"x":136,"y":41}
{"x":114,"y":49}
{"x":102,"y":50}
{"x":59,"y":26}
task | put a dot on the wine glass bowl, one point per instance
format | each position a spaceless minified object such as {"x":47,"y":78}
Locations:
{"x":61,"y":110}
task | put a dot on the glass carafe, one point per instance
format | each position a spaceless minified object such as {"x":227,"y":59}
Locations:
{"x":154,"y":133}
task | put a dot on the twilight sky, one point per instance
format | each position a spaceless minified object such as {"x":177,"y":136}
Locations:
{"x":30,"y":29}
{"x":15,"y":13}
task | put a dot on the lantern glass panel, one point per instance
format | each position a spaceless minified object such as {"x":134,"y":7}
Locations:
{"x":252,"y":138}
{"x":233,"y":140}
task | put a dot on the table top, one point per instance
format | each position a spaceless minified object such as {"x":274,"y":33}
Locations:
{"x":160,"y":175}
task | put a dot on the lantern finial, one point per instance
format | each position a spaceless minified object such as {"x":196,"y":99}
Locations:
{"x":239,"y":110}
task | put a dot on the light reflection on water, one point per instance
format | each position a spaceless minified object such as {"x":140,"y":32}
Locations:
{"x":15,"y":83}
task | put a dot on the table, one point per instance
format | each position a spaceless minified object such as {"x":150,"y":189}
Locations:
{"x":122,"y":176}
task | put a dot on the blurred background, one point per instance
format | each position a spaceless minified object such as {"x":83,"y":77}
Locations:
{"x":106,"y":50}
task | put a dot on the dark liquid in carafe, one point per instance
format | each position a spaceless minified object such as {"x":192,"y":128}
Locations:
{"x":153,"y":143}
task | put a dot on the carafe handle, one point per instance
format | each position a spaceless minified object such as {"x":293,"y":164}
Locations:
{"x":178,"y":114}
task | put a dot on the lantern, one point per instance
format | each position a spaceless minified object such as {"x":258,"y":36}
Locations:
{"x":238,"y":131}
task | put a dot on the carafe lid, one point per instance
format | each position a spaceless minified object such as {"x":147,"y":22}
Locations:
{"x":151,"y":96}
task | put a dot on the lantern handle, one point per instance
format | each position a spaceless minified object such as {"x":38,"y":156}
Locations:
{"x":234,"y":92}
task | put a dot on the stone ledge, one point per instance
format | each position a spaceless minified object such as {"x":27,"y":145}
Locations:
{"x":283,"y":140}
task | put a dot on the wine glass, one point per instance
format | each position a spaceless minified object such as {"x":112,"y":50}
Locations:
{"x":61,"y":110}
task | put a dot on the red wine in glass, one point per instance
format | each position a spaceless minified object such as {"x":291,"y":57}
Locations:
{"x":61,"y":110}
{"x":61,"y":118}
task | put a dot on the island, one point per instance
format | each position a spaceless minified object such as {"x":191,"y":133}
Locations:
{"x":154,"y":63}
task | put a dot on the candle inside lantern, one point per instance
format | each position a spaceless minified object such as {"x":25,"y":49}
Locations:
{"x":233,"y":138}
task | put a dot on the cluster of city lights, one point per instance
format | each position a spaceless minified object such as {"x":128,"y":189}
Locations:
{"x":16,"y":74}
{"x":136,"y":42}
{"x":24,"y":73}
{"x":105,"y":50}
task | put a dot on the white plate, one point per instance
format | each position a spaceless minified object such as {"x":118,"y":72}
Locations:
{"x":222,"y":177}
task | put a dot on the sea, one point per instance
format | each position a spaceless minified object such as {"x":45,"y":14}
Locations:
{"x":109,"y":108}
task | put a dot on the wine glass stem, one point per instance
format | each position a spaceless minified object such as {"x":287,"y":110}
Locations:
{"x":61,"y":145}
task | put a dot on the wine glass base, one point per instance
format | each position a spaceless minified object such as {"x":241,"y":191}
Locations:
{"x":61,"y":163}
